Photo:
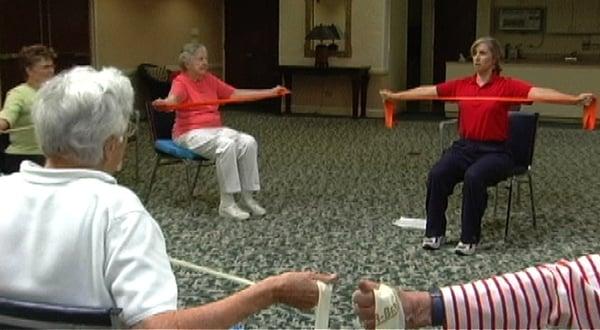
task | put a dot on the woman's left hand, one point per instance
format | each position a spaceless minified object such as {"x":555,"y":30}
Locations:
{"x":585,"y":98}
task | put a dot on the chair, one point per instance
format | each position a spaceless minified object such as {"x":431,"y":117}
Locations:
{"x":169,"y":153}
{"x":136,"y":141}
{"x":521,"y":140}
{"x":21,"y":314}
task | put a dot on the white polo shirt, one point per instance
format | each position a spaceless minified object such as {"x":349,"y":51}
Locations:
{"x":76,"y":237}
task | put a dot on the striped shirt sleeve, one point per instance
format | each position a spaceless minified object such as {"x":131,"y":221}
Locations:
{"x":565,"y":294}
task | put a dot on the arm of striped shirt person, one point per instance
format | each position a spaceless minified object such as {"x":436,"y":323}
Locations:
{"x":563,"y":294}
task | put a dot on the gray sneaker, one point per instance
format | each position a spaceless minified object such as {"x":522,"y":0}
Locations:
{"x":464,"y":249}
{"x":433,"y":243}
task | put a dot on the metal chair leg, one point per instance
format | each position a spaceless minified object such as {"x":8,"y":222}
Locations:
{"x":530,"y":180}
{"x":510,"y":188}
{"x":196,"y":176}
{"x":152,"y":176}
{"x":189,"y":184}
{"x":495,"y":201}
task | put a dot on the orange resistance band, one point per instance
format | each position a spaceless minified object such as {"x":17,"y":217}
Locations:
{"x":239,"y":99}
{"x":589,"y":112}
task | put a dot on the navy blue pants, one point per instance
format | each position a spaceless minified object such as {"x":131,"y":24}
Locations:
{"x":479,"y":165}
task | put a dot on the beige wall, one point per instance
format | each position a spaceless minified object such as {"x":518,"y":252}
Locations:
{"x":129,"y":32}
{"x":378,"y":40}
{"x":541,"y":45}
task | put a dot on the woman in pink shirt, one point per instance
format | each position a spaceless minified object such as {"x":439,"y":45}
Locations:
{"x":201,"y":130}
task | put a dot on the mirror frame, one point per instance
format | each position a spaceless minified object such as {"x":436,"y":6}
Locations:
{"x":309,"y":50}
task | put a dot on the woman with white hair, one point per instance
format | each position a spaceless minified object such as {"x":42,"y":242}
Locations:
{"x":73,"y":236}
{"x":202,"y":131}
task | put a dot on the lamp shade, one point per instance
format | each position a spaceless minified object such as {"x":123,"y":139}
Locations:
{"x":323,"y":32}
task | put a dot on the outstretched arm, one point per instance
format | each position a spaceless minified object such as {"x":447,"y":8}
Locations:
{"x":550,"y":94}
{"x":415,"y":93}
{"x":297,"y":289}
{"x":277,"y":90}
{"x":565,"y":294}
{"x":169,"y":100}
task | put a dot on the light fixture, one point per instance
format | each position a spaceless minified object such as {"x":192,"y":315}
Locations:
{"x":322,"y":51}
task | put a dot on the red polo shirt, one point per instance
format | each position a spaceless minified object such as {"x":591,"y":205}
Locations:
{"x":187,"y":90}
{"x":484,"y":120}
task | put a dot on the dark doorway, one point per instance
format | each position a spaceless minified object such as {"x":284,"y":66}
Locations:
{"x":413,"y":53}
{"x":252,"y":47}
{"x":63,"y":25}
{"x":454,"y":31}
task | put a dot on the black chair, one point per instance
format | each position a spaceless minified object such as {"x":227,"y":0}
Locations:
{"x":169,"y":153}
{"x":16,"y":314}
{"x":521,"y":141}
{"x":155,"y":80}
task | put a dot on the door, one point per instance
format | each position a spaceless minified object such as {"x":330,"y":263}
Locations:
{"x":252,"y":47}
{"x":413,"y":49}
{"x":63,"y":25}
{"x":454,"y":32}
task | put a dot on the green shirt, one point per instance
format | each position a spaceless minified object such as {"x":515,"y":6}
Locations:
{"x":17,"y":111}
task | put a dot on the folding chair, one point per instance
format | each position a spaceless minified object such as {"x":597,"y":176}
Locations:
{"x":169,"y":153}
{"x":521,"y":141}
{"x":34,"y":315}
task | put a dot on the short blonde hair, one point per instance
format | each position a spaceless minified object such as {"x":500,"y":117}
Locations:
{"x":494,"y":47}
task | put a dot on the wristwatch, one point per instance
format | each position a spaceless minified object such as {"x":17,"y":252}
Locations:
{"x":437,"y":308}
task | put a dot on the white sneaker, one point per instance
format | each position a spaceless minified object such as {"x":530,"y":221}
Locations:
{"x":233,"y":212}
{"x":465,"y":249}
{"x":253,"y":206}
{"x":433,"y":243}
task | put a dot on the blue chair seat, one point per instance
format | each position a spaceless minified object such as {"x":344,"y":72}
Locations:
{"x":167,"y":146}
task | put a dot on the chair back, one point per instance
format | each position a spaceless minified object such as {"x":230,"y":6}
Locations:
{"x":160,"y":122}
{"x":521,"y":138}
{"x":155,"y":79}
{"x":30,"y":315}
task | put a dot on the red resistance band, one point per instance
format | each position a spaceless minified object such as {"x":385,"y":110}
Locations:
{"x":588,"y":120}
{"x":239,"y":99}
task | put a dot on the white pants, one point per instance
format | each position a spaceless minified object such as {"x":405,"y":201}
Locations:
{"x":235,"y":154}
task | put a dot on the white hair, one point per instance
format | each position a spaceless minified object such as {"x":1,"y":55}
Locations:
{"x":78,"y":110}
{"x":187,"y":53}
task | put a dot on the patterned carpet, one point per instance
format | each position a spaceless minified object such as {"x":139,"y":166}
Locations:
{"x":333,"y":187}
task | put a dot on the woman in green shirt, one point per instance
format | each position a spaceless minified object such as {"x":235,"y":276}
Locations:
{"x":38,"y":62}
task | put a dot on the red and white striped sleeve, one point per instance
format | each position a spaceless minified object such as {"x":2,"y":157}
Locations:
{"x":565,"y":294}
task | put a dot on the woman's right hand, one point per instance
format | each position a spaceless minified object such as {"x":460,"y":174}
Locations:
{"x":162,"y":104}
{"x":385,"y":94}
{"x":299,"y":289}
{"x":159,"y":103}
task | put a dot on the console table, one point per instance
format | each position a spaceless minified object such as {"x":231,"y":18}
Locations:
{"x":358,"y":75}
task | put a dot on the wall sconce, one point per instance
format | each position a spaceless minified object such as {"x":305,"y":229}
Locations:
{"x":322,"y":51}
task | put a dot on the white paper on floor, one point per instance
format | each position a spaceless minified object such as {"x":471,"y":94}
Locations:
{"x":412,"y":223}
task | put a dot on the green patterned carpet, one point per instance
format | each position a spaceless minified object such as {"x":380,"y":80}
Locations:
{"x":333,"y":187}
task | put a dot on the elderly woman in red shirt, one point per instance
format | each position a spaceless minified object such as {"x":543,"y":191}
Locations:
{"x":480,"y":158}
{"x":202,"y":130}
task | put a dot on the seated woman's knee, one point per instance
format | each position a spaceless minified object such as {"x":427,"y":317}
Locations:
{"x":473,"y":177}
{"x":224,"y":143}
{"x":437,"y":172}
{"x":247,"y":141}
